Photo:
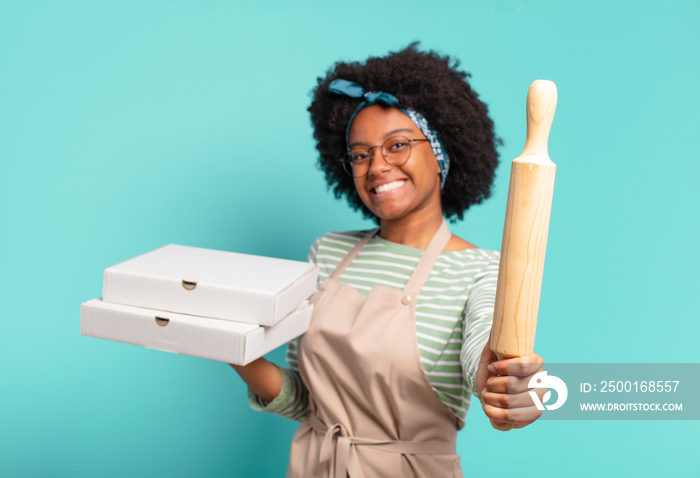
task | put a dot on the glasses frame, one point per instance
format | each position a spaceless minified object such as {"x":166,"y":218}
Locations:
{"x":348,"y":163}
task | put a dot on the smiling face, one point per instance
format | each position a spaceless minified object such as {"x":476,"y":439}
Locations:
{"x":396,"y":193}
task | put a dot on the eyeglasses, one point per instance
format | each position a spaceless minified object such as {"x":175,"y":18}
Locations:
{"x":395,"y":150}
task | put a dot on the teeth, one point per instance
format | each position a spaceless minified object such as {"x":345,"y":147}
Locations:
{"x":388,"y":186}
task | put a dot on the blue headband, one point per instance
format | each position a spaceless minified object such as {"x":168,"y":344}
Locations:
{"x":353,"y":90}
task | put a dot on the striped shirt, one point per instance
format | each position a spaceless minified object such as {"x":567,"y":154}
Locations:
{"x":453,"y":313}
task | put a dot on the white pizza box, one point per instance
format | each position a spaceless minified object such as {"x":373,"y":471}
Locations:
{"x":209,"y":283}
{"x":215,"y":339}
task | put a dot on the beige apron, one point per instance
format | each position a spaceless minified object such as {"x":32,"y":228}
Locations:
{"x":373,"y":410}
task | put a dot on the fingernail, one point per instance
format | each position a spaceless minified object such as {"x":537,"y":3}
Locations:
{"x":491,"y":368}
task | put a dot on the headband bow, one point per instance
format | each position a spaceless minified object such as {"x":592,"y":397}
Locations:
{"x":353,"y":90}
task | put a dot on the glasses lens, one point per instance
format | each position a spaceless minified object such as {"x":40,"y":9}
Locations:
{"x":397,"y":150}
{"x":347,"y":165}
{"x":358,"y":162}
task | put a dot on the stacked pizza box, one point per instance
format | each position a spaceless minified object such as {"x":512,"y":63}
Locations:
{"x":212,"y":304}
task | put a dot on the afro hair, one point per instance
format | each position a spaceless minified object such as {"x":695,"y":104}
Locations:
{"x":434,"y":86}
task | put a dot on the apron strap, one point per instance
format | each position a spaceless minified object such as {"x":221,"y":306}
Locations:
{"x":338,"y":449}
{"x":425,"y":265}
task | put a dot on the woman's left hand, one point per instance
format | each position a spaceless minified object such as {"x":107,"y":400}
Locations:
{"x":503,"y":385}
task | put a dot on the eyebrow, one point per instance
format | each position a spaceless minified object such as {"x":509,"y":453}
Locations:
{"x":386,"y":136}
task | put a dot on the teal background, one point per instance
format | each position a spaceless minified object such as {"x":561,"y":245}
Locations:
{"x":128,"y":125}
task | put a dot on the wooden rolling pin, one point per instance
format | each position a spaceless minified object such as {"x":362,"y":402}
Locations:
{"x":525,"y":233}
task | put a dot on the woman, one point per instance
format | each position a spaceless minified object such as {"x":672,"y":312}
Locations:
{"x":398,"y":341}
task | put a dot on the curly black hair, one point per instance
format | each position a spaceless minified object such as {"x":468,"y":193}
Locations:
{"x":430,"y":84}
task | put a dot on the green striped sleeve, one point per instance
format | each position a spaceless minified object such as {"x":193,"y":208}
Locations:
{"x":477,"y":322}
{"x":292,"y":401}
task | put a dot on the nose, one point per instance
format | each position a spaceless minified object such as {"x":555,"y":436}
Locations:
{"x":378,"y":163}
